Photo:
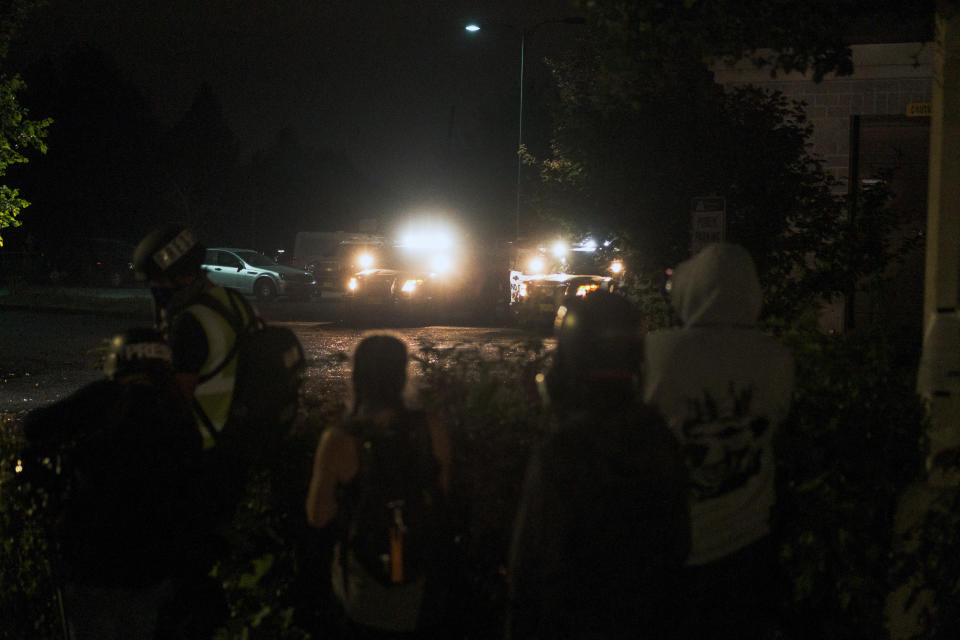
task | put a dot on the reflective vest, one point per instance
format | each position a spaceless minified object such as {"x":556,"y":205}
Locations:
{"x":214,"y":393}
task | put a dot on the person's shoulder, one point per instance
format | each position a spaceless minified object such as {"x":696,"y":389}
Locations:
{"x":88,"y":402}
{"x":337,"y":436}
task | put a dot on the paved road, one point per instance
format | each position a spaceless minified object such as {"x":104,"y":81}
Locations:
{"x":47,"y":355}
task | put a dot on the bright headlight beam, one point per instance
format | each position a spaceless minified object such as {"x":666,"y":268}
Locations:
{"x":365,"y":260}
{"x":559,"y":249}
{"x":441,"y":264}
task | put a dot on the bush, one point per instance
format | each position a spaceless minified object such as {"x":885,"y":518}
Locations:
{"x":850,"y":447}
{"x":28,"y":598}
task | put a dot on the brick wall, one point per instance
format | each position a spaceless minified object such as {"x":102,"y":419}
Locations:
{"x":886,"y":79}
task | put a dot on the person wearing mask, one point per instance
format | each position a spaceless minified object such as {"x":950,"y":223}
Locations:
{"x":201,"y":336}
{"x":603,"y":526}
{"x":723,"y":386}
{"x":201,"y":322}
{"x":381,"y":478}
{"x":127,"y":449}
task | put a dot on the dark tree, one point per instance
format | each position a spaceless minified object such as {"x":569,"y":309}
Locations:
{"x":641,"y":128}
{"x":98,"y":177}
{"x":200,"y":157}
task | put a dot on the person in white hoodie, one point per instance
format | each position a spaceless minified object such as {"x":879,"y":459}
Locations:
{"x":723,"y":385}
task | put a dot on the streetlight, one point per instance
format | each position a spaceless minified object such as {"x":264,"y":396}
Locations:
{"x":474,"y":27}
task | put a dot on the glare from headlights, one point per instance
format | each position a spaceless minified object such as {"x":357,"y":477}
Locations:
{"x":559,"y":249}
{"x":616,"y":267}
{"x":441,"y":264}
{"x":536,"y":265}
{"x":352,"y":284}
{"x":410,"y":286}
{"x":584,"y":289}
{"x":365,"y":260}
{"x":428,"y":237}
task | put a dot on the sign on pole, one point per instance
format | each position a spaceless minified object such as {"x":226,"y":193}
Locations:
{"x":709,"y":218}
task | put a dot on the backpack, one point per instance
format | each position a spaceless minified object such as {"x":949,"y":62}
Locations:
{"x":393,"y":526}
{"x":270,"y":362}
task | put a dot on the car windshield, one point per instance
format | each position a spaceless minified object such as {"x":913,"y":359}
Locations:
{"x":255,"y":259}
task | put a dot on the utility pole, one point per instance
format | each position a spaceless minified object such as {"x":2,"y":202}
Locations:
{"x":938,"y":380}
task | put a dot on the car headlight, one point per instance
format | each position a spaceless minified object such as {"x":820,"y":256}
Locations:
{"x":522,"y":290}
{"x":584,"y":289}
{"x":410,"y":286}
{"x":352,"y":284}
{"x":365,"y":260}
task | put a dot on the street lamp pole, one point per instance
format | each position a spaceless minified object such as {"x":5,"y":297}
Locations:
{"x":473,"y":28}
{"x":523,"y":41}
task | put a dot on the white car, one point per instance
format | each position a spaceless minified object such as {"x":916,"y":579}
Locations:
{"x":253,"y":273}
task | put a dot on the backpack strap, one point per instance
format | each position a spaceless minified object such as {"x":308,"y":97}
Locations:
{"x":234,"y":317}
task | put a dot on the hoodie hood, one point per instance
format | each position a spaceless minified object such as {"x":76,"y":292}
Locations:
{"x":719,"y":285}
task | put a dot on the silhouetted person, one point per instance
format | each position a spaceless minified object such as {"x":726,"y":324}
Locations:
{"x":382,"y":478}
{"x":723,"y":386}
{"x":603,"y":525}
{"x":128,"y":446}
{"x":201,"y":323}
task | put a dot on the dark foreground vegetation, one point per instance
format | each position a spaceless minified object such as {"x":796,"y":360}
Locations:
{"x":851,"y":447}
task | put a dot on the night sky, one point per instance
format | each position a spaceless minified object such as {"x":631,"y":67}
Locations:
{"x":399,"y":86}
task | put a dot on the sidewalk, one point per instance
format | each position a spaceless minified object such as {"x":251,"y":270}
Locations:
{"x":134,"y":303}
{"x":137,"y":303}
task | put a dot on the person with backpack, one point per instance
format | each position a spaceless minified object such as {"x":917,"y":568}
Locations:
{"x":241,"y":375}
{"x":602,"y":529}
{"x":242,"y":378}
{"x":382,"y":478}
{"x":126,"y":450}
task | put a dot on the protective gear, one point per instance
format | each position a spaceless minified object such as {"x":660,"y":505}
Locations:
{"x":168,"y":301}
{"x":138,"y":350}
{"x":170,"y":250}
{"x":218,"y":374}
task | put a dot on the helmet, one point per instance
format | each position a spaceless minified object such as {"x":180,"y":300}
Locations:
{"x":170,"y":250}
{"x":138,"y":350}
{"x":598,"y":348}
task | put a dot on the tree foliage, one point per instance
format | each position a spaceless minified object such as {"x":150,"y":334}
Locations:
{"x":640,"y":128}
{"x":18,"y":133}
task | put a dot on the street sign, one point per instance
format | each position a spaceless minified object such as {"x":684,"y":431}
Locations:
{"x":708,"y":217}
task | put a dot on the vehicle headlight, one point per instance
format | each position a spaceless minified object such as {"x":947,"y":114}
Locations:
{"x":522,"y":290}
{"x":616,"y":266}
{"x":365,"y":260}
{"x":584,"y":289}
{"x":352,"y":284}
{"x":410,"y":286}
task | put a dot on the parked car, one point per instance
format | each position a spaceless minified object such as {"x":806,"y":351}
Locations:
{"x":253,"y":273}
{"x":390,"y":294}
{"x":540,"y":297}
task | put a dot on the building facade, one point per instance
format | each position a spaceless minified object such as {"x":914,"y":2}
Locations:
{"x":871,"y":124}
